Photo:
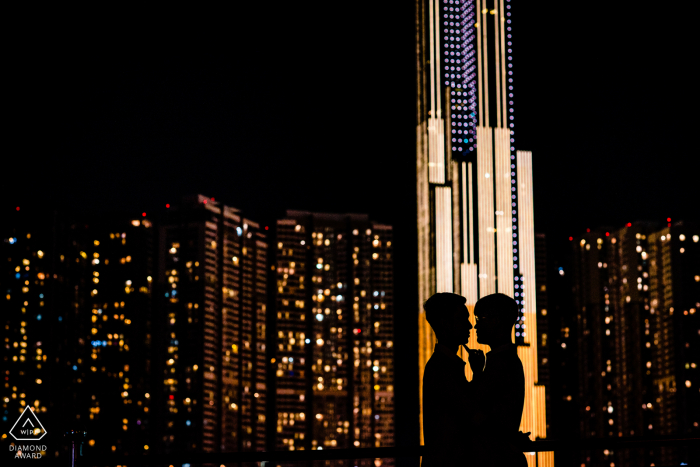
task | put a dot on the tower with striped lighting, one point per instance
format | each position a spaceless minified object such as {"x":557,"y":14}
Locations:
{"x":474,"y":189}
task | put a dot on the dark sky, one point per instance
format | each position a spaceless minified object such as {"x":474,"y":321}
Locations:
{"x":309,"y":107}
{"x":312,"y":106}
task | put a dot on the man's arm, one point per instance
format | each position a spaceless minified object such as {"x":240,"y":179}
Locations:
{"x":477,"y":360}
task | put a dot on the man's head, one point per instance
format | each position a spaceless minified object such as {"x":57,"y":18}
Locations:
{"x":447,"y":314}
{"x":495,"y":316}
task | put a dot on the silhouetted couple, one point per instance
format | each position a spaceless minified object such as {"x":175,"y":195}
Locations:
{"x":473,"y":423}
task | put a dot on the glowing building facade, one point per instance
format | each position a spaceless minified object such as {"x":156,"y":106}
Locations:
{"x":334,"y":371}
{"x":212,"y":276}
{"x":475,"y":213}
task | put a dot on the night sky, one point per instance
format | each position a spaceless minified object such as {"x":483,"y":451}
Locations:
{"x":298,"y":106}
{"x":303,"y":107}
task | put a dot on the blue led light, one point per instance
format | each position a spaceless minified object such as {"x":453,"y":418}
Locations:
{"x":17,"y":276}
{"x":38,"y":317}
{"x":75,"y":367}
{"x":188,"y":423}
{"x":239,"y":231}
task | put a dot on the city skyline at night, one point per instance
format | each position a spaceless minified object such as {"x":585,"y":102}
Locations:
{"x":117,"y":119}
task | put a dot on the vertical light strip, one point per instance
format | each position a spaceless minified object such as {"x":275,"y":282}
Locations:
{"x":456,"y":221}
{"x":466,"y":224}
{"x":497,"y":67}
{"x":501,"y":12}
{"x":478,"y":65}
{"x":424,"y":276}
{"x":545,"y":459}
{"x":504,"y":214}
{"x":443,"y":239}
{"x":471,"y":213}
{"x":484,"y":56}
{"x":484,"y":168}
{"x":469,"y":270}
{"x":436,"y":131}
{"x":534,"y":412}
{"x":527,"y":238}
{"x":433,"y":67}
{"x":438,"y":79}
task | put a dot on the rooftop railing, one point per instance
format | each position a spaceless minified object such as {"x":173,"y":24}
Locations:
{"x":267,"y":458}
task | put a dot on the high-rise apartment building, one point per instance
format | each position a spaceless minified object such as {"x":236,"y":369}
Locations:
{"x":212,"y":274}
{"x":107,"y":333}
{"x":475,"y":213}
{"x":29,"y":293}
{"x":637,"y":294}
{"x":334,"y":371}
{"x":89,"y":286}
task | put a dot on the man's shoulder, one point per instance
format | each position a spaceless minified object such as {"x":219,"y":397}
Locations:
{"x":505,"y":364}
{"x":433,"y":365}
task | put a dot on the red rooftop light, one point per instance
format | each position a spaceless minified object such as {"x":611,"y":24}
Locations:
{"x":571,"y":239}
{"x":167,"y":206}
{"x":18,"y":208}
{"x":143,"y":214}
{"x":212,"y":199}
{"x":172,"y":397}
{"x":629,"y":224}
{"x":588,"y":230}
{"x":607,"y":234}
{"x":265,"y":227}
{"x":668,"y":219}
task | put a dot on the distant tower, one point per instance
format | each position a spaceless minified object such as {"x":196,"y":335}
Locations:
{"x":334,"y":332}
{"x":475,"y":213}
{"x":212,"y":276}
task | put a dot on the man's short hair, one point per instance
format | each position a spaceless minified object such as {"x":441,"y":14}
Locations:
{"x":442,"y":305}
{"x":499,"y":306}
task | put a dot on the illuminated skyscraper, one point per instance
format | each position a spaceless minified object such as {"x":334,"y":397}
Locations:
{"x":475,"y":213}
{"x":212,"y":275}
{"x":334,"y":332}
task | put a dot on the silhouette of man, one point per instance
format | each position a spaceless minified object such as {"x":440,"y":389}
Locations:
{"x":500,"y":390}
{"x":447,"y":426}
